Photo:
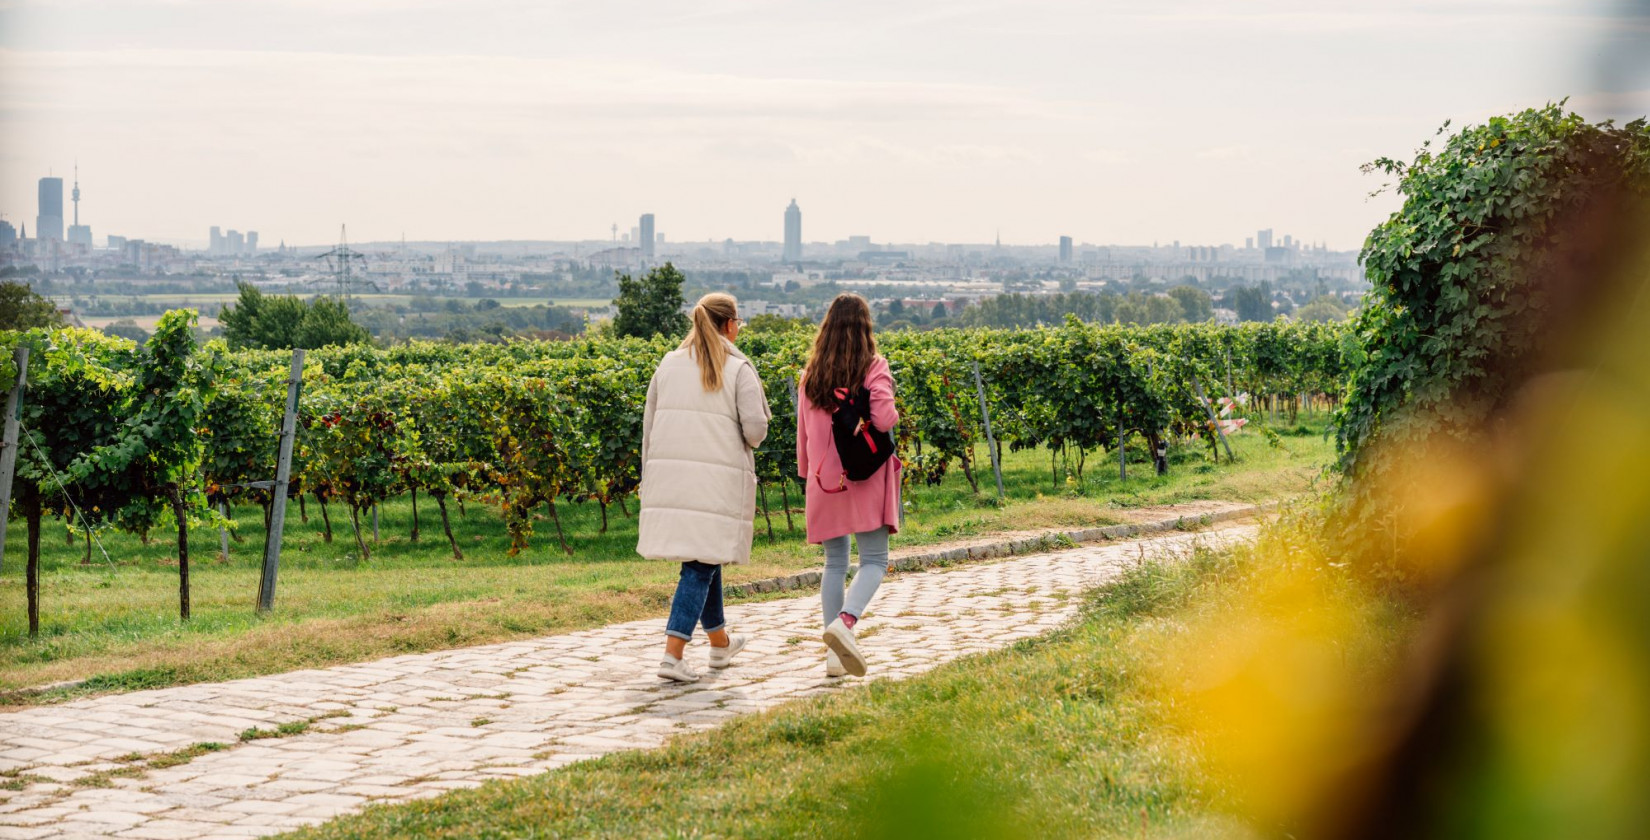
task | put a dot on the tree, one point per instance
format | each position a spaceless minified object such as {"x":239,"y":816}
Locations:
{"x":1141,"y":308}
{"x":1497,"y":240}
{"x":22,"y":309}
{"x":127,"y":328}
{"x":326,"y":322}
{"x":283,"y":322}
{"x":1195,"y":304}
{"x":1321,"y":310}
{"x":1252,"y":303}
{"x":777,"y":324}
{"x":652,"y":305}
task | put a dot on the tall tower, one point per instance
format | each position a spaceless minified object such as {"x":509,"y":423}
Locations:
{"x":49,"y":224}
{"x":793,"y":233}
{"x":79,"y":234}
{"x":1065,"y":249}
{"x":646,"y":236}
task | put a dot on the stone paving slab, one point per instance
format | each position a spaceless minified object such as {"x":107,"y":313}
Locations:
{"x":416,"y":726}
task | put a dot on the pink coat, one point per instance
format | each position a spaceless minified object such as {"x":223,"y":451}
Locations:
{"x":867,"y":505}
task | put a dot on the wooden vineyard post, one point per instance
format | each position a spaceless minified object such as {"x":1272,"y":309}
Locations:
{"x":1122,"y":455}
{"x":1214,"y":422}
{"x":990,"y":441}
{"x":8,"y":448}
{"x":223,"y":533}
{"x":1155,"y":440}
{"x":283,"y":474}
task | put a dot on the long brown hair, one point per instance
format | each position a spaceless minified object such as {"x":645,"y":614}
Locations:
{"x":843,"y":350}
{"x":710,"y":315}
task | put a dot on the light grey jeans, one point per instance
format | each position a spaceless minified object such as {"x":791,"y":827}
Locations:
{"x":873,"y":564}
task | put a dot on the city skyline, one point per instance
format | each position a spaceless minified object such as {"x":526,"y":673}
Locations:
{"x":1176,"y":120}
{"x":642,"y":235}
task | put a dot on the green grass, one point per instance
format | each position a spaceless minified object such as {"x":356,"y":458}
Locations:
{"x":117,"y":626}
{"x":1061,"y":736}
{"x":288,"y":729}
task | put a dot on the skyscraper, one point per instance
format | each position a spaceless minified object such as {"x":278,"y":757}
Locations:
{"x":1263,"y":239}
{"x":234,"y":242}
{"x":8,"y":235}
{"x":1065,"y":249}
{"x":793,"y":233}
{"x":252,"y":242}
{"x":646,"y":235}
{"x":215,"y":245}
{"x":49,"y":224}
{"x":79,"y":234}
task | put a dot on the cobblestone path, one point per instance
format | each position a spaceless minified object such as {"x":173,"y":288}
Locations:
{"x":420,"y":725}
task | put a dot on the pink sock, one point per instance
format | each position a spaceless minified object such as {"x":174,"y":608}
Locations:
{"x":848,"y":621}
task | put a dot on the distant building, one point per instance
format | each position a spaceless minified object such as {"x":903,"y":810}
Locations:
{"x":793,"y":233}
{"x":753,"y":308}
{"x":48,"y":225}
{"x":645,"y":237}
{"x":117,"y":243}
{"x":79,"y":234}
{"x":8,"y":235}
{"x":215,"y":241}
{"x":615,"y":258}
{"x":234,"y":242}
{"x":252,"y":242}
{"x":802,"y":278}
{"x":1065,"y":249}
{"x":1263,"y":239}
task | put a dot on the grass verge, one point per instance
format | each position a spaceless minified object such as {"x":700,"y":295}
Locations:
{"x":1070,"y":735}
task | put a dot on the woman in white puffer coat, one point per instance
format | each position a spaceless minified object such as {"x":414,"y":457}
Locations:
{"x":706,"y":414}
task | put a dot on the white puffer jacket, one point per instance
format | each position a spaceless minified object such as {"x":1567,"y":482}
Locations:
{"x":698,"y":493}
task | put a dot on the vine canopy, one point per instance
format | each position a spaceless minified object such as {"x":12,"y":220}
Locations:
{"x":1501,"y":233}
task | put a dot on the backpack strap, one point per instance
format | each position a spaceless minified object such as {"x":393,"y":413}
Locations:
{"x":841,"y":483}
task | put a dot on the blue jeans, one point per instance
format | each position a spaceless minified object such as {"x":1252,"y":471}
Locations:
{"x":873,"y":564}
{"x":698,"y":600}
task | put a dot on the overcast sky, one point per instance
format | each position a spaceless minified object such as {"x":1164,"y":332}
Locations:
{"x":1112,"y":121}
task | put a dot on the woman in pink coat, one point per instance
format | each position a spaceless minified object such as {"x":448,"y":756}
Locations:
{"x":845,"y":357}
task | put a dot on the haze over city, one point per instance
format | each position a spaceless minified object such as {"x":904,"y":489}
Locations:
{"x":499,"y":120}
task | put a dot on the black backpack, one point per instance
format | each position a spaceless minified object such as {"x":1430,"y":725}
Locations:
{"x":860,"y":445}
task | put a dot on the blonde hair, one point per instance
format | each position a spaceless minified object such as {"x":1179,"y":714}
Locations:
{"x":710,"y":315}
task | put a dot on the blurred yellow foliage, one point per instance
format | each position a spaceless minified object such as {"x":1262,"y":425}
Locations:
{"x":1521,"y":709}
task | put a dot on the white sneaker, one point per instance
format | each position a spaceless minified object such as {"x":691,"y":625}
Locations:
{"x":833,"y":665}
{"x":841,"y":640}
{"x":719,"y":656}
{"x":675,"y":669}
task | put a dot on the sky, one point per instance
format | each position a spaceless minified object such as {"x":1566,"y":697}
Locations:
{"x":1111,"y":121}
